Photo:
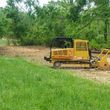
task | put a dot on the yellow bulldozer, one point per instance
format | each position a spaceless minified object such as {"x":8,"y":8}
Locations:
{"x":76,"y":52}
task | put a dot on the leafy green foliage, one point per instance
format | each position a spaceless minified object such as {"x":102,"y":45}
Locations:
{"x":5,"y":24}
{"x":36,"y":25}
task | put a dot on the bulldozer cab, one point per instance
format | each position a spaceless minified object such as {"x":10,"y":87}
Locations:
{"x":81,"y":49}
{"x":69,"y":49}
{"x":61,"y":42}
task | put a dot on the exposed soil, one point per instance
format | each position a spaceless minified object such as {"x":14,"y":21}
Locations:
{"x":32,"y":53}
{"x":37,"y":53}
{"x":97,"y":75}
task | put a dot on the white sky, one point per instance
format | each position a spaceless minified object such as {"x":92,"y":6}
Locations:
{"x":3,"y":2}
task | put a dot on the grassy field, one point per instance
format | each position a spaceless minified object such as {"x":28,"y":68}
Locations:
{"x":3,"y":42}
{"x":25,"y":86}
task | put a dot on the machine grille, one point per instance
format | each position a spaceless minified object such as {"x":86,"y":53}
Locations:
{"x":60,"y":52}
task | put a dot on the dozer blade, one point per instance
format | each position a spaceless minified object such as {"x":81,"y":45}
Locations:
{"x":103,"y":61}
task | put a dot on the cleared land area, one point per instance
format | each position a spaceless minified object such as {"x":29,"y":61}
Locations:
{"x":36,"y":55}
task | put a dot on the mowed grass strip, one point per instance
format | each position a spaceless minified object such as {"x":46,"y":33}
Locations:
{"x":25,"y":86}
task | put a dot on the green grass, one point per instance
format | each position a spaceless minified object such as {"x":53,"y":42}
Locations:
{"x":3,"y":42}
{"x":25,"y":86}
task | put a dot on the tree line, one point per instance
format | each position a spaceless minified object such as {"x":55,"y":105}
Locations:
{"x":25,"y":22}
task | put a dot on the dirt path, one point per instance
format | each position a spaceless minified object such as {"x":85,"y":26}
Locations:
{"x":97,"y":75}
{"x":37,"y":54}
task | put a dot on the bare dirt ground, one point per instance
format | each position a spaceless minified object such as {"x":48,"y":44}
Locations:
{"x":32,"y":53}
{"x":97,"y":75}
{"x":37,"y":54}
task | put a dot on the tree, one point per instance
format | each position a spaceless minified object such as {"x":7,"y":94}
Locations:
{"x":33,"y":24}
{"x":104,"y":14}
{"x":5,"y":24}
